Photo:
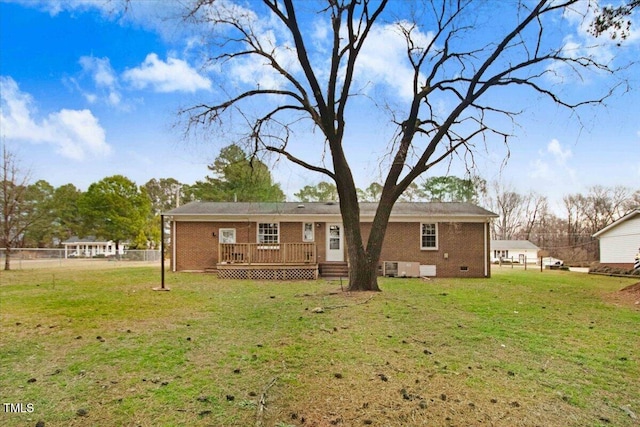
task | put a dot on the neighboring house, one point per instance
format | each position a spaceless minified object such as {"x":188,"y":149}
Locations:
{"x":514,"y":251}
{"x":87,"y":247}
{"x":620,"y":241}
{"x":302,"y":240}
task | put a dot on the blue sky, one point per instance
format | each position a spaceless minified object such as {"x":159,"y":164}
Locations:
{"x":88,"y":93}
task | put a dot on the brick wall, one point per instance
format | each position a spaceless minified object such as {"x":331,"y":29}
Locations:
{"x":622,"y":265}
{"x":196,"y":246}
{"x":463,"y":243}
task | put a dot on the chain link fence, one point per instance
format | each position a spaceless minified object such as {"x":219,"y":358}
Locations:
{"x":30,"y":258}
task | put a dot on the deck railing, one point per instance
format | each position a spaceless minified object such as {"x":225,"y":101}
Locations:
{"x":267,"y":253}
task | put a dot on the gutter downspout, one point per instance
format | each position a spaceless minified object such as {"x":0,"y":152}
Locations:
{"x":486,"y":252}
{"x":173,"y":245}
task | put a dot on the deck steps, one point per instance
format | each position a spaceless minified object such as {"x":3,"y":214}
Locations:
{"x":334,"y":269}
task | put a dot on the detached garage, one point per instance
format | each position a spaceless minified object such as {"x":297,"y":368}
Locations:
{"x":620,"y":241}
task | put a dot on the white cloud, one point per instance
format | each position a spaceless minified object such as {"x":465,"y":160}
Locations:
{"x":552,"y":164}
{"x":74,"y":133}
{"x":55,"y":7}
{"x":382,"y":62}
{"x":104,"y":78}
{"x":174,"y":75}
{"x":384,"y":59}
{"x":103,"y":74}
{"x":556,"y":149}
{"x":582,"y":43}
{"x":582,"y":14}
{"x":256,"y":70}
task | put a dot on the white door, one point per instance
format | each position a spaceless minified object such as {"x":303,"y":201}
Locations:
{"x":335,"y":251}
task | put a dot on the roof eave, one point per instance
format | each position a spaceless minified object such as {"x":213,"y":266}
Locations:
{"x":617,"y":222}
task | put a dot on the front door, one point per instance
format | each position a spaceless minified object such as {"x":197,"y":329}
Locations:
{"x":335,"y":251}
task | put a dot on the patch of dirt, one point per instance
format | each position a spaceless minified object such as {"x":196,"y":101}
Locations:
{"x":628,"y":296}
{"x":632,"y":289}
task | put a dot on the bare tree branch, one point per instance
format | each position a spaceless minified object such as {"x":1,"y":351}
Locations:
{"x":448,"y":64}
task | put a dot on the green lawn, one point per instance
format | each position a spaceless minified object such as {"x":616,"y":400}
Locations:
{"x":523,"y":348}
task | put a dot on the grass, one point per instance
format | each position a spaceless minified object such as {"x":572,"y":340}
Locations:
{"x":523,"y":348}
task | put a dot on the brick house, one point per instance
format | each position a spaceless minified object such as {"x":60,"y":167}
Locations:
{"x":303,"y":240}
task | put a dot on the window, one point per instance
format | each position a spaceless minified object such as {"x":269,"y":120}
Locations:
{"x":227,"y":235}
{"x":500,"y":254}
{"x":307,"y":232}
{"x":428,"y":236}
{"x":268,"y":233}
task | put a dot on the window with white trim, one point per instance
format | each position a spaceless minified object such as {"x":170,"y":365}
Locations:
{"x":268,"y":232}
{"x":429,"y":236}
{"x":308,"y":232}
{"x":501,"y":253}
{"x":227,"y":235}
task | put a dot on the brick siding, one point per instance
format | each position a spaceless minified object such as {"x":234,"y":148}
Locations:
{"x":462,"y":242}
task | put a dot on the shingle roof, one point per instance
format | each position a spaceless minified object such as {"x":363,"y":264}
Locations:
{"x":88,"y":239}
{"x":502,"y":245}
{"x":367,"y":209}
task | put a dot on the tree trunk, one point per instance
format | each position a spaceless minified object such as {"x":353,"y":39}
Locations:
{"x":363,"y":273}
{"x":7,"y":259}
{"x":363,"y":268}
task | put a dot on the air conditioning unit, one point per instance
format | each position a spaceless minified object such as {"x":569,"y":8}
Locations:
{"x":401,"y":269}
{"x":390,"y":269}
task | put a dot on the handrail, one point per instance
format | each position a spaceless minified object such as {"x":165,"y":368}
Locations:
{"x":266,"y":253}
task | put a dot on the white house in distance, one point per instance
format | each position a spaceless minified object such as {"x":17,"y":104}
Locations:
{"x":519,"y":251}
{"x":88,"y":247}
{"x":620,"y":241}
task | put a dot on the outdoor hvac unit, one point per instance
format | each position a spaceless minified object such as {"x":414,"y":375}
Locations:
{"x":401,"y":269}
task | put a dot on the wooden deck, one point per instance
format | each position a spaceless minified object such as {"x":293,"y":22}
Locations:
{"x":267,"y":253}
{"x":272,"y":261}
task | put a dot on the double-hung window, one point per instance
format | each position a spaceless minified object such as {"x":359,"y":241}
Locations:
{"x":268,"y":233}
{"x":429,"y":236}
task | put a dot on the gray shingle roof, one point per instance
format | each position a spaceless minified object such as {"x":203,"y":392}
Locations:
{"x":88,"y":239}
{"x":503,"y":245}
{"x":367,"y":209}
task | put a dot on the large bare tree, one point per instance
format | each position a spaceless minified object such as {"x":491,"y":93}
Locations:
{"x":473,"y":67}
{"x":509,"y":205}
{"x":15,"y":217}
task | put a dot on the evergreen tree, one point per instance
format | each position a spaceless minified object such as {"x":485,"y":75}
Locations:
{"x":237,"y":177}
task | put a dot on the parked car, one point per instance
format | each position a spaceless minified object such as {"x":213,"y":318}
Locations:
{"x":551,"y":261}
